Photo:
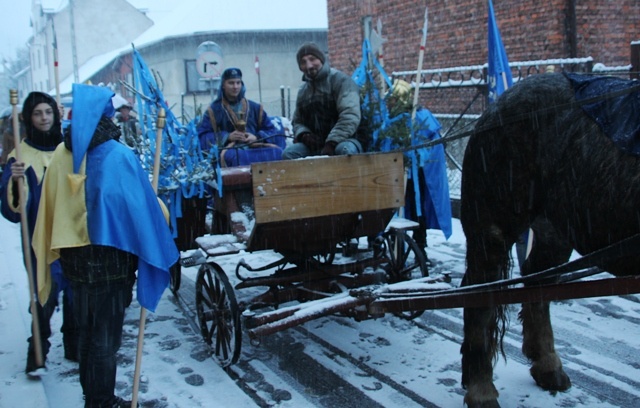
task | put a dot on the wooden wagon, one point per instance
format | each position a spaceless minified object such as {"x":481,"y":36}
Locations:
{"x":306,"y":211}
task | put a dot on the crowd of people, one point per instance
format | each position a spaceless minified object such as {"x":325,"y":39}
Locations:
{"x":88,"y":234}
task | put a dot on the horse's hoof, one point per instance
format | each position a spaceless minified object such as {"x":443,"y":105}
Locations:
{"x":553,"y":380}
{"x":483,"y":404}
{"x":482,"y":397}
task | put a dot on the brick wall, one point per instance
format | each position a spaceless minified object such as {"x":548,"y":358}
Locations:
{"x":457,"y":35}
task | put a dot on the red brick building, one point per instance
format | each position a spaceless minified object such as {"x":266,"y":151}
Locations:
{"x":457,"y":35}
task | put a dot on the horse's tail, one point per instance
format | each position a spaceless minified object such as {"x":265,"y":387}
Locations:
{"x":502,"y":317}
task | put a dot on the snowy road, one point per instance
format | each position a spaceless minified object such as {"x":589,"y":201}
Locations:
{"x":389,"y":362}
{"x":332,"y":361}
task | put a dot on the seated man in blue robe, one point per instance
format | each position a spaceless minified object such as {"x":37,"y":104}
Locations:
{"x":239,"y":127}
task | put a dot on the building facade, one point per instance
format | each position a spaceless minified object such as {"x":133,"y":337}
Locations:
{"x":173,"y":61}
{"x":92,"y":41}
{"x":73,"y":32}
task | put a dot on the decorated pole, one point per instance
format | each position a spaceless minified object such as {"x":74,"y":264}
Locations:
{"x":423,"y":42}
{"x":383,"y":83}
{"x":26,"y":246}
{"x":143,"y":312}
{"x":156,"y":160}
{"x":56,"y":71}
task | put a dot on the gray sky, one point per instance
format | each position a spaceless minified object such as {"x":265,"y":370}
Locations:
{"x":14,"y":26}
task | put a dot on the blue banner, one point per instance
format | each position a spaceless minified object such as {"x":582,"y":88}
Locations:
{"x":498,"y":72}
{"x":185,"y":170}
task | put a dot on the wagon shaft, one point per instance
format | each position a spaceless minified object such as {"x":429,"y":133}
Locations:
{"x":286,"y":318}
{"x":491,"y":298}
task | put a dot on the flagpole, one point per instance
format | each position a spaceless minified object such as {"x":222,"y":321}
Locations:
{"x":423,"y":42}
{"x":383,"y":83}
{"x":26,"y":247}
{"x":143,"y":312}
{"x":257,"y":65}
{"x":55,"y":64}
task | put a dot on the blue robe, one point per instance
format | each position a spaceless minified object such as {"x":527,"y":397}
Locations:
{"x":109,"y":202}
{"x":258,"y":123}
{"x":431,"y":194}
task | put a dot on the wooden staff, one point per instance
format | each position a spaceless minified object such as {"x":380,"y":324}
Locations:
{"x":423,"y":42}
{"x":143,"y":312}
{"x":156,"y":159}
{"x":26,"y":246}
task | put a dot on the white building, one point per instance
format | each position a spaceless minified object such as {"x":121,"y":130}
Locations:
{"x":95,"y":39}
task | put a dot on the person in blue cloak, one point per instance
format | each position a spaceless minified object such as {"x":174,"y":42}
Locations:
{"x":241,"y":129}
{"x":100,"y":216}
{"x":42,"y":129}
{"x":427,"y":199}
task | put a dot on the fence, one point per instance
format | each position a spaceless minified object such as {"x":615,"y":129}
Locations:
{"x":457,"y":87}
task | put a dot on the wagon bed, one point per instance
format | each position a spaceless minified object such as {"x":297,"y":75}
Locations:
{"x":304,"y":210}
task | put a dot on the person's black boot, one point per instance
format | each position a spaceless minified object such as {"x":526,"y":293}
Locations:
{"x":34,"y":370}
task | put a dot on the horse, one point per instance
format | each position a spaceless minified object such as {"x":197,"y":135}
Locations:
{"x":537,"y":160}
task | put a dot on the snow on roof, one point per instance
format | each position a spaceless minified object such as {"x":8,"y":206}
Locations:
{"x":173,"y":18}
{"x":53,"y":6}
{"x":88,"y":69}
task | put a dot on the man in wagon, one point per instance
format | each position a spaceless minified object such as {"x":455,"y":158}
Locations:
{"x":241,"y":129}
{"x":327,"y":114}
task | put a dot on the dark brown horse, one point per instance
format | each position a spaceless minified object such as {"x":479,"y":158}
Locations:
{"x":537,"y":160}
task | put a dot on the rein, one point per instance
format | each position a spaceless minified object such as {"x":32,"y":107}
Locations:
{"x":626,"y":247}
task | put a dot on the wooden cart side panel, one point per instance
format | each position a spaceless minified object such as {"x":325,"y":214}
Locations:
{"x":315,"y":187}
{"x":317,"y":235}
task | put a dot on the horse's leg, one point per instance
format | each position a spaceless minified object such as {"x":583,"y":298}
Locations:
{"x":487,"y":260}
{"x":538,"y":344}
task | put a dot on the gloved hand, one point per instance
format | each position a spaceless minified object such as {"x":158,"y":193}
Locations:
{"x":329,"y":149}
{"x":313,"y":142}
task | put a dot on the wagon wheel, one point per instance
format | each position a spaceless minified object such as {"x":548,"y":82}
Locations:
{"x":175,"y":276}
{"x":218,"y":313}
{"x":406,"y":262}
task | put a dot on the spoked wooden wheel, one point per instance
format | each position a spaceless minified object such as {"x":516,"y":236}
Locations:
{"x":218,"y":313}
{"x":406,"y":262}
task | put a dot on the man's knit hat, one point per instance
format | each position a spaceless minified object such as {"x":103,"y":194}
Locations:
{"x":309,"y":49}
{"x":231,"y":73}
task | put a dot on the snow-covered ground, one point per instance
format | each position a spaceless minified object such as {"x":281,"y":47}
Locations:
{"x":385,"y":362}
{"x":176,"y":368}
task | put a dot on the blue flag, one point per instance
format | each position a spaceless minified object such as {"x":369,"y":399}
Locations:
{"x":184,"y":169}
{"x":498,"y":72}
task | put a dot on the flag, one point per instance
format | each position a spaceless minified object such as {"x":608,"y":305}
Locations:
{"x":498,"y":72}
{"x":257,"y":65}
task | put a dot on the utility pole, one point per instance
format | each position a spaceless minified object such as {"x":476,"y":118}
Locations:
{"x":76,"y":75}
